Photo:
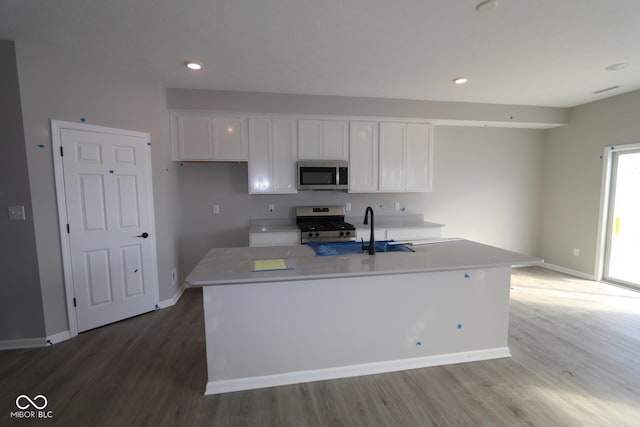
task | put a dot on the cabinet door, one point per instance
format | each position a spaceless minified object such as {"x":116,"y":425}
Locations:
{"x":285,"y":156}
{"x":195,"y":137}
{"x":230,"y":138}
{"x":392,"y":155}
{"x":418,"y":157}
{"x":363,"y":157}
{"x":335,"y":144}
{"x":260,"y":156}
{"x":310,"y":139}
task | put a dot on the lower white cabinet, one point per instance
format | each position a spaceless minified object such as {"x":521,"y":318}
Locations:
{"x":273,"y":153}
{"x":277,"y":238}
{"x":398,"y":234}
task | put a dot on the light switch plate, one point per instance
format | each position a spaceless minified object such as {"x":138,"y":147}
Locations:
{"x":16,"y":213}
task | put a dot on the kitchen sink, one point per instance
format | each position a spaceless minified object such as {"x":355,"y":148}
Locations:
{"x":346,"y":248}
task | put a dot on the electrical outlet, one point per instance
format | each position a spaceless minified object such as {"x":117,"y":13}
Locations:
{"x":174,"y":277}
{"x":216,"y":209}
{"x":16,"y":213}
{"x":347,"y":206}
{"x":271,"y":208}
{"x":576,"y":252}
{"x":396,"y":206}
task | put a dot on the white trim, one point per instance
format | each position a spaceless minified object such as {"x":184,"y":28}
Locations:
{"x":56,"y":143}
{"x":172,"y":301}
{"x":22,"y":343}
{"x":59,"y":337}
{"x":225,"y":386}
{"x":568,"y":271}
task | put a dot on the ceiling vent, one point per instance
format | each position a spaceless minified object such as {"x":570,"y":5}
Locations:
{"x":606,"y":89}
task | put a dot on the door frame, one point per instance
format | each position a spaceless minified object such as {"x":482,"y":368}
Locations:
{"x":56,"y":142}
{"x":605,"y":202}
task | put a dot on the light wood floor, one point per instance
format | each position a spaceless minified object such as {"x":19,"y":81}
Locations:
{"x":576,"y":362}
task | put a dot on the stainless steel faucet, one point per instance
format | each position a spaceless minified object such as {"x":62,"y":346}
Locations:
{"x":372,"y":240}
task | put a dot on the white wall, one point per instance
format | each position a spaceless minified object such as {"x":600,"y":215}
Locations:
{"x":62,"y":85}
{"x":573,"y":177}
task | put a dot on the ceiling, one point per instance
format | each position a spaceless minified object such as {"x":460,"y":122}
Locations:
{"x":526,"y":52}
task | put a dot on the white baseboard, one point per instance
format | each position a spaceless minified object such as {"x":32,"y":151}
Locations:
{"x":22,"y":343}
{"x":59,"y":337}
{"x":172,"y":301}
{"x":225,"y":386}
{"x":568,"y":271}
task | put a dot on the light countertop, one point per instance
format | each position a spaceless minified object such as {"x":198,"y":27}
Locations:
{"x":228,"y":266}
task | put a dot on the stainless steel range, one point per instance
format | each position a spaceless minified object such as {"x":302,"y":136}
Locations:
{"x":324,"y":224}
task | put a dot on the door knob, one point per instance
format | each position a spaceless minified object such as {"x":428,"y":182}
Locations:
{"x":143,"y":235}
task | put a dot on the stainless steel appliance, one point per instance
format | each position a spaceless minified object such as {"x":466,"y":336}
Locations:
{"x":324,"y":224}
{"x":323,"y":175}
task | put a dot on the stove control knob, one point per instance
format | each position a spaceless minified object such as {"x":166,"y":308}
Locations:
{"x":310,"y":234}
{"x":317,"y":234}
{"x":341,"y":233}
{"x":348,"y":233}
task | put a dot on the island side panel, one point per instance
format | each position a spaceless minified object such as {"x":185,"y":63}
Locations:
{"x":266,"y":334}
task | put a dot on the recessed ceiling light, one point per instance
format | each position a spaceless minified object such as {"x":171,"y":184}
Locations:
{"x":193,"y":65}
{"x":487,"y":6}
{"x":460,"y":80}
{"x":616,"y":67}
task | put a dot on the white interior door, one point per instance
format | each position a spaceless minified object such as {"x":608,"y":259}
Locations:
{"x":109,"y":223}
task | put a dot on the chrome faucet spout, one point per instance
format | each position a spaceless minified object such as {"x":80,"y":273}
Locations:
{"x":372,"y":240}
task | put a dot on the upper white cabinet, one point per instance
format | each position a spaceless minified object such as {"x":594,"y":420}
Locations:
{"x":363,"y":166}
{"x":230,"y":139}
{"x":405,"y":157}
{"x":272,"y":156}
{"x":205,"y":137}
{"x":194,"y":137}
{"x":323,"y":140}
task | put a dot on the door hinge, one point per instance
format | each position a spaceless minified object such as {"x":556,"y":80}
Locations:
{"x":68,"y":231}
{"x":61,"y":151}
{"x":74,"y":301}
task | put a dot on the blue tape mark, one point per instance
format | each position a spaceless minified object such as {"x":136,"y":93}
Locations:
{"x":181,"y":164}
{"x":111,"y":171}
{"x":149,"y":143}
{"x":418,"y":343}
{"x":83,"y":119}
{"x":466,"y":276}
{"x":459,"y":326}
{"x":157,"y":307}
{"x":135,"y":271}
{"x":612,"y":148}
{"x":41,"y":145}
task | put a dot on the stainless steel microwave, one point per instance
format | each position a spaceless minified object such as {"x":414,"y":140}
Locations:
{"x":323,"y":175}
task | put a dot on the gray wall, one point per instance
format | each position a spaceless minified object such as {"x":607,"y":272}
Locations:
{"x":573,"y":177}
{"x":21,"y":313}
{"x":56,"y":84}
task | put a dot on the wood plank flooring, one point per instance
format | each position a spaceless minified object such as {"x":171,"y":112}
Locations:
{"x":576,"y":362}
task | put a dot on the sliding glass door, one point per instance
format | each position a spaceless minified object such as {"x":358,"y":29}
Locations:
{"x":622,"y":253}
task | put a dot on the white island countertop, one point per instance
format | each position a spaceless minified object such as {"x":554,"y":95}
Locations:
{"x":228,"y":266}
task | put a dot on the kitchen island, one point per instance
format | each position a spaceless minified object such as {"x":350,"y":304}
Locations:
{"x":282,"y":315}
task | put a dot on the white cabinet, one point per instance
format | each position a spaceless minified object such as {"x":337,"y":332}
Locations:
{"x":398,"y":234}
{"x":194,"y":137}
{"x":230,"y":139}
{"x":279,"y":238}
{"x":323,"y":140}
{"x":363,"y":164}
{"x":272,"y":156}
{"x":405,"y":157}
{"x":205,"y":137}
